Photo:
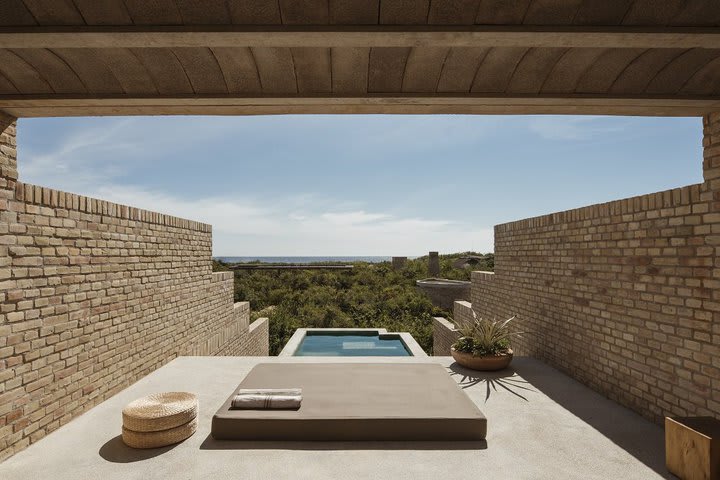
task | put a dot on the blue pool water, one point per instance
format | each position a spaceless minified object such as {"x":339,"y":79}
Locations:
{"x":351,"y":344}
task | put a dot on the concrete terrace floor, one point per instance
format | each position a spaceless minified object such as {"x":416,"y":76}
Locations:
{"x":541,"y":425}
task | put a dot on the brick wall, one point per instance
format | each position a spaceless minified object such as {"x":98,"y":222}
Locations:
{"x":444,"y":335}
{"x":8,"y":159}
{"x":95,"y":295}
{"x":254,"y":344}
{"x":624,"y":296}
{"x":462,"y":313}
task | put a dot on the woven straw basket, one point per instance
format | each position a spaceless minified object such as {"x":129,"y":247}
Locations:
{"x":159,"y":412}
{"x":159,"y":439}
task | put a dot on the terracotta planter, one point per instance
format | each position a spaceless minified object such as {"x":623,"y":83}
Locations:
{"x":486,"y":363}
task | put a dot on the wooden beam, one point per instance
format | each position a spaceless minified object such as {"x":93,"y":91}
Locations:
{"x":58,"y":105}
{"x":371,"y":36}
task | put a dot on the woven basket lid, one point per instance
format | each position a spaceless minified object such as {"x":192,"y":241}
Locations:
{"x":160,"y":411}
{"x":161,"y":438}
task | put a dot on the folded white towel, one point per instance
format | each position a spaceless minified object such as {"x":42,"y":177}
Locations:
{"x":266,"y":402}
{"x":270,"y":391}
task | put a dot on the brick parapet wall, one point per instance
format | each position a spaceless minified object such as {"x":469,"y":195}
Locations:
{"x":48,"y":197}
{"x":624,"y":296}
{"x":255,"y":344}
{"x":94,"y":296}
{"x":241,"y":311}
{"x":258,"y":340}
{"x":661,"y":202}
{"x":711,"y":151}
{"x":463,"y":313}
{"x":444,"y":335}
{"x":8,"y":159}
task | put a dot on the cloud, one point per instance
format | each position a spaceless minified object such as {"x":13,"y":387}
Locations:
{"x":573,"y":128}
{"x":72,"y":158}
{"x":353,"y":218}
{"x":99,"y":150}
{"x":108,"y":158}
{"x":365,"y":184}
{"x":247,"y":226}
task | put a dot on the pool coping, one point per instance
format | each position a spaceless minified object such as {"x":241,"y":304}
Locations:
{"x":292,"y":345}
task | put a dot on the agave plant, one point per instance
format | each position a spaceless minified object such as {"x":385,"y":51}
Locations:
{"x":485,"y":337}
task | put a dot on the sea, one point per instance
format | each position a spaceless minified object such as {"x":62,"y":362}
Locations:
{"x":302,"y":259}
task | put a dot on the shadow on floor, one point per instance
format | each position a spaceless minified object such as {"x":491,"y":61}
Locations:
{"x":642,"y":439}
{"x":506,"y":379}
{"x":211,"y":444}
{"x":114,"y":450}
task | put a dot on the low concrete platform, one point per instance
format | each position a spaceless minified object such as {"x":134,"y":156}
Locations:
{"x":541,"y":425}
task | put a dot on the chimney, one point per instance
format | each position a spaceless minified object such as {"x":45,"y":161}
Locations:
{"x":434,"y":264}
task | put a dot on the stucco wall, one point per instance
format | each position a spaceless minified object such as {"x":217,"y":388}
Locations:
{"x":624,"y":296}
{"x":95,"y":295}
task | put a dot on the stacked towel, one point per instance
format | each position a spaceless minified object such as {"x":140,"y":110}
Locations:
{"x":268,"y":398}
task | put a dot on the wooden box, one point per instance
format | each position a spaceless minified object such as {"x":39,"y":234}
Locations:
{"x":692,"y":447}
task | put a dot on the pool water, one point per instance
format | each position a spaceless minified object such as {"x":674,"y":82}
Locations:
{"x":355,"y":344}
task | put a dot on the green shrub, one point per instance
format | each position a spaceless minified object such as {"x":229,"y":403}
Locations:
{"x":368,"y":296}
{"x":485,"y":337}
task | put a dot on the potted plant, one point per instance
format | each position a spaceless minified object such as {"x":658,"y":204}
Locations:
{"x":485,"y":344}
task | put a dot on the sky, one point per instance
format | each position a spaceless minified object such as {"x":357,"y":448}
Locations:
{"x":359,"y":185}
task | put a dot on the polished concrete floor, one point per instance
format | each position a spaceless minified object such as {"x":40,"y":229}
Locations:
{"x":541,"y":425}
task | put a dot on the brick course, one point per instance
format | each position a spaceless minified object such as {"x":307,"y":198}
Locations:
{"x":462,"y":313}
{"x":444,"y":335}
{"x":624,"y":296}
{"x":255,"y":344}
{"x":94,"y":296}
{"x":8,"y":162}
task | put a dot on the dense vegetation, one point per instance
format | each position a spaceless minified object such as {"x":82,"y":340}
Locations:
{"x":369,"y":295}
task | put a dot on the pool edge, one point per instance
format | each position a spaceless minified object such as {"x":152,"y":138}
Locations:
{"x":294,"y":343}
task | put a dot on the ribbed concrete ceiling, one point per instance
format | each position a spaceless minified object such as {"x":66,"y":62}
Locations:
{"x":80,"y":57}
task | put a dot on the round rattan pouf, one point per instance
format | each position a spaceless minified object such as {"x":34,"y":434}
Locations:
{"x":160,"y":411}
{"x":159,"y":439}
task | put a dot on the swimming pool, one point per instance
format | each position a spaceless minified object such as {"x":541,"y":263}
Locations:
{"x":321,"y":342}
{"x":349,"y":344}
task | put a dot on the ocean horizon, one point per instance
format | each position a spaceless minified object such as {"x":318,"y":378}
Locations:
{"x":304,"y":259}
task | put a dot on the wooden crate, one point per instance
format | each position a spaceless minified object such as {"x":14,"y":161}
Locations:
{"x":692,"y":447}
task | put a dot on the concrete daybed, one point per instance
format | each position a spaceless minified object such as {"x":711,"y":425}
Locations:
{"x":351,"y":401}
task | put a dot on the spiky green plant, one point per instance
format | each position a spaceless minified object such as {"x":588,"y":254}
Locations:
{"x":485,"y":337}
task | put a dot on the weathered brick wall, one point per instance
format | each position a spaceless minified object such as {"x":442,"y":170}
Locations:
{"x":462,"y":313}
{"x":254,"y":344}
{"x":258,"y":343}
{"x":444,"y":335}
{"x":93,"y":296}
{"x":8,"y":159}
{"x":624,"y":296}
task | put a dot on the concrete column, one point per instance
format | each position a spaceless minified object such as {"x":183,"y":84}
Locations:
{"x":434,"y":264}
{"x":398,"y":263}
{"x":8,"y":159}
